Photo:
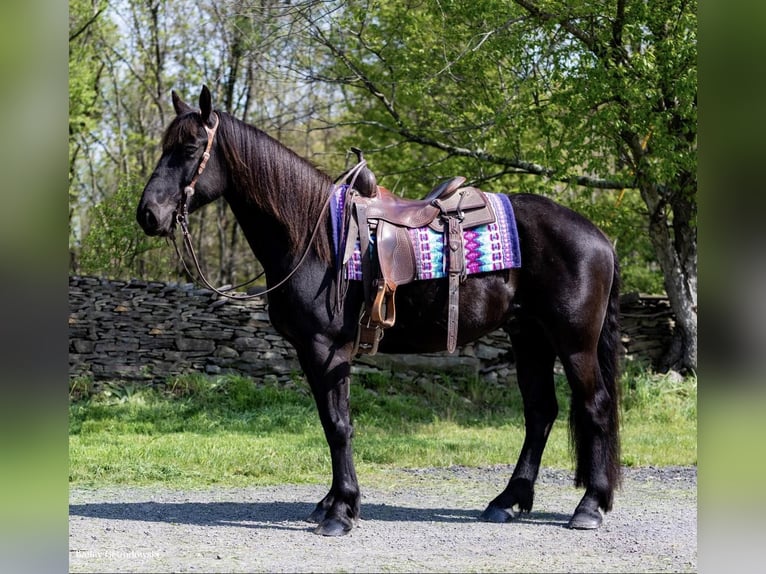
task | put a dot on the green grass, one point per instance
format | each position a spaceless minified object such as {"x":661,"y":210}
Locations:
{"x":231,"y":431}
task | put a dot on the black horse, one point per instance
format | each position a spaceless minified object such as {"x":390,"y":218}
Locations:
{"x":562,"y":302}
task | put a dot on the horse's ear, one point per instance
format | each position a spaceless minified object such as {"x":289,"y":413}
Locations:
{"x":179,"y":105}
{"x":205,"y":104}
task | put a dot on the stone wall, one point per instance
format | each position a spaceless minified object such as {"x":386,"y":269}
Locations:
{"x":646,"y":325}
{"x":139,"y":330}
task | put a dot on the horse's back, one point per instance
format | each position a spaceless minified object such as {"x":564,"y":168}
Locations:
{"x":557,"y":242}
{"x":544,"y":223}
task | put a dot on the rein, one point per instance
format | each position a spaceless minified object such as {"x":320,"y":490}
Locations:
{"x":182,"y":214}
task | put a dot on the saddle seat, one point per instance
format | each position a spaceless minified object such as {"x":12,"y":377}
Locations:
{"x":449,"y":209}
{"x":445,"y":200}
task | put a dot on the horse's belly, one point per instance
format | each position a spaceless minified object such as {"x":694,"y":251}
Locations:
{"x":422,"y":311}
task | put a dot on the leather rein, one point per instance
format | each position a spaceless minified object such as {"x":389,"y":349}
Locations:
{"x":182,"y":215}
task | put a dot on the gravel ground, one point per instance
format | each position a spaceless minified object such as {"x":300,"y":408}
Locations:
{"x":426,"y":523}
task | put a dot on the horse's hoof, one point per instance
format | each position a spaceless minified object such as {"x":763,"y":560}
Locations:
{"x":497,"y":514}
{"x":332,"y":527}
{"x":586,"y":519}
{"x":317,"y":516}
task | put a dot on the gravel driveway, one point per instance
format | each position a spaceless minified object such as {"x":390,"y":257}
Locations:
{"x":427,"y":523}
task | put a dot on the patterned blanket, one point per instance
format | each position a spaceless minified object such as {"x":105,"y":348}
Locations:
{"x":490,"y":247}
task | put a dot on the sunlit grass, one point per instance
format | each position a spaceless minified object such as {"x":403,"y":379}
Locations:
{"x":195,"y":459}
{"x":659,"y":419}
{"x":230,"y":431}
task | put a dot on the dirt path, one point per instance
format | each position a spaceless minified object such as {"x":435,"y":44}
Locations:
{"x":427,"y":524}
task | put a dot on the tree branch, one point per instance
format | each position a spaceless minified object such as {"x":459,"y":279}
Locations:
{"x":361,"y":76}
{"x":512,"y":165}
{"x":568,"y":25}
{"x":618,"y":24}
{"x":87,"y":25}
{"x":590,"y":41}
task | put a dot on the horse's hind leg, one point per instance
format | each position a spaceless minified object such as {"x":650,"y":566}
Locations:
{"x":534,"y":367}
{"x":593,"y":427}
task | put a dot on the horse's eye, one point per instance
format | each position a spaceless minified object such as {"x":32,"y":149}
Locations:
{"x":190,"y":150}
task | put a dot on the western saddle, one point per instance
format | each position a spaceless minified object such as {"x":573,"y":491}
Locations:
{"x":377,"y":217}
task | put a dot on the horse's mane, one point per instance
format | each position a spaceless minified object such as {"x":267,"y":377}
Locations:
{"x":279,"y":181}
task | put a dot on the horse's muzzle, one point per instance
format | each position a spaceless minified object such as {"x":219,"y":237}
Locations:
{"x":155,"y":219}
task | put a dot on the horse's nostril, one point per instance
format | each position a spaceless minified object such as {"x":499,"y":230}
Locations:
{"x":151,"y":220}
{"x":148,"y":220}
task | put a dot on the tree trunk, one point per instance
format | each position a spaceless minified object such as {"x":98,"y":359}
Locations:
{"x":673,"y":232}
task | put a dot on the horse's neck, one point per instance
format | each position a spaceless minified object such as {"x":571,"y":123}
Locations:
{"x":268,"y":239}
{"x":271,"y":228}
{"x":262,"y":233}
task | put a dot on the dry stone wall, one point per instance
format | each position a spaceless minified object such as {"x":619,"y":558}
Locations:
{"x":148,"y":331}
{"x":646,"y":325}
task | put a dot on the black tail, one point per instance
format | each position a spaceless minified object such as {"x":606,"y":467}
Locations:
{"x":609,"y":360}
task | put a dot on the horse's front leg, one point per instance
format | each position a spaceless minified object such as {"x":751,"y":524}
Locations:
{"x":328,"y":374}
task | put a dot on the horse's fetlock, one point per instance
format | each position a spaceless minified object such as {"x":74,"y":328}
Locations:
{"x":605,"y":497}
{"x":521,"y":491}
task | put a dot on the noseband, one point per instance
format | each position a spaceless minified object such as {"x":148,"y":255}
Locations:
{"x":182,"y":215}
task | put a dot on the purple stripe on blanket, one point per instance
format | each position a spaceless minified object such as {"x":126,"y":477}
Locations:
{"x":490,"y":247}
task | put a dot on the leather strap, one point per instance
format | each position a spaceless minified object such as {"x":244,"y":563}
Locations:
{"x":189,"y":189}
{"x":456,"y":273}
{"x":364,"y":247}
{"x":368,"y":335}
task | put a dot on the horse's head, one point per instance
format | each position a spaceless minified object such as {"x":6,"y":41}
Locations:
{"x":188,"y":175}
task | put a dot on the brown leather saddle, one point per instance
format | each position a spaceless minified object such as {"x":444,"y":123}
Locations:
{"x":380,"y":218}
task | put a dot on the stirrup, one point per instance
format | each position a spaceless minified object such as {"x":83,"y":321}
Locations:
{"x":383,"y":309}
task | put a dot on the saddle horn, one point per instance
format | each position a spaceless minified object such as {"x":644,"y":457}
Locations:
{"x":364,"y":180}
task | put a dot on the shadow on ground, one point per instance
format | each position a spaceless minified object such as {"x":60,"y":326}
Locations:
{"x":275,"y":514}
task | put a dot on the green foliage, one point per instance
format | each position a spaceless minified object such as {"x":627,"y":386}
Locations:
{"x":114,"y":243}
{"x":664,"y":398}
{"x":231,"y":430}
{"x":85,"y":24}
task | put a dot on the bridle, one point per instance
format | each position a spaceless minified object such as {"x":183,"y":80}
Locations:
{"x":182,"y":216}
